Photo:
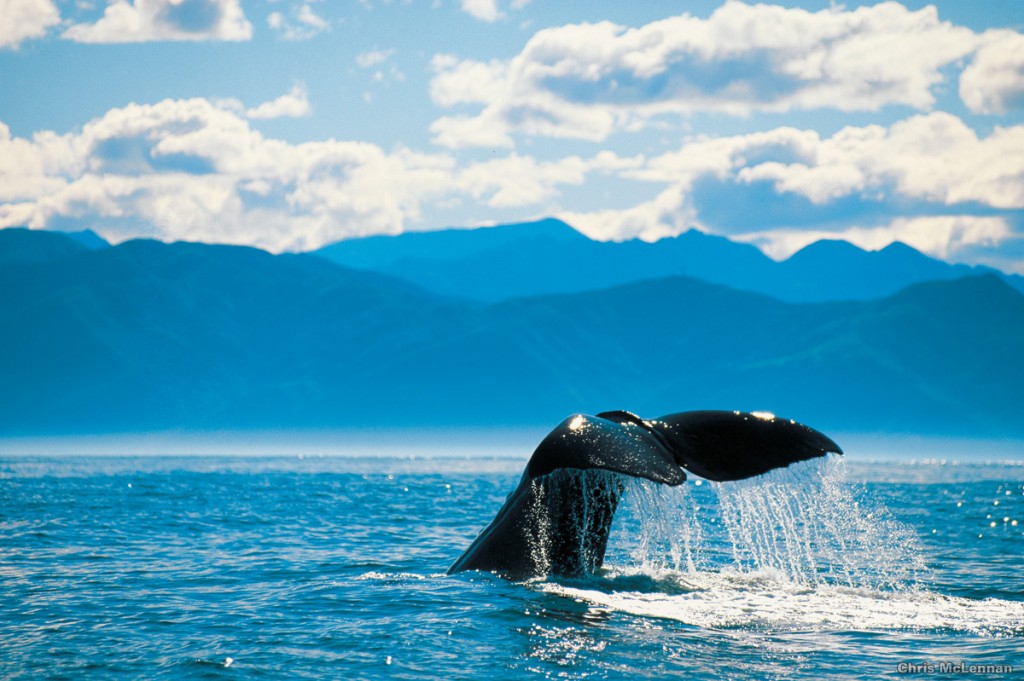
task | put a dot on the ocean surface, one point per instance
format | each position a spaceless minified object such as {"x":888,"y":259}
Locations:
{"x":334,"y":567}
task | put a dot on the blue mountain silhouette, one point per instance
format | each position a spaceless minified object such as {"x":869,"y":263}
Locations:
{"x":24,"y":245}
{"x":510,"y":261}
{"x":146,"y":335}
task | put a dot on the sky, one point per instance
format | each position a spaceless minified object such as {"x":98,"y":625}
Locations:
{"x":290,"y":124}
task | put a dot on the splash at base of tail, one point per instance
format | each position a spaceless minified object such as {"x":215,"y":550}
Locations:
{"x":558,"y":518}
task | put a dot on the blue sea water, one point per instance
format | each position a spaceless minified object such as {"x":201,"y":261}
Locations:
{"x":333,"y":567}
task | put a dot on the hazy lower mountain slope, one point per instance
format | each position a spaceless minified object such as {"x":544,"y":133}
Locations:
{"x":145,"y":334}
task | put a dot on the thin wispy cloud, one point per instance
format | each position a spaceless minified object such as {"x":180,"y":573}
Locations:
{"x":300,"y":22}
{"x":372,"y":58}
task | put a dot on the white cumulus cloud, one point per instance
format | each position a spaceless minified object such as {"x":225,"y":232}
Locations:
{"x":484,"y":10}
{"x":586,"y":81}
{"x":190,"y":169}
{"x":294,"y":104}
{"x":934,"y":161}
{"x":993,"y":83}
{"x":197,"y":170}
{"x":939,"y":236}
{"x":488,"y":10}
{"x":466,"y":82}
{"x":935,"y":157}
{"x":22,"y":20}
{"x":135,"y":21}
{"x":516,"y":181}
{"x":668,"y":214}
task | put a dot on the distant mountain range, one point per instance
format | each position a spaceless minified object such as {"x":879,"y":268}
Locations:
{"x":548,"y":256}
{"x":146,"y":336}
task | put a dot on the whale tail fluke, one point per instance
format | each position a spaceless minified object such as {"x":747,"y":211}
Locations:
{"x":717,"y":445}
{"x":558,"y":518}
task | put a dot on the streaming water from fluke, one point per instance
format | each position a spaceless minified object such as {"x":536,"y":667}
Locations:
{"x":804,"y":524}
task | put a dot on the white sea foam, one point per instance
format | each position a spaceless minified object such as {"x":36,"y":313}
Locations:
{"x":393,"y":576}
{"x":798,"y":548}
{"x":731,"y":599}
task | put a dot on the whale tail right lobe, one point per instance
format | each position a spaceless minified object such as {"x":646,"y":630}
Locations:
{"x":732,"y":445}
